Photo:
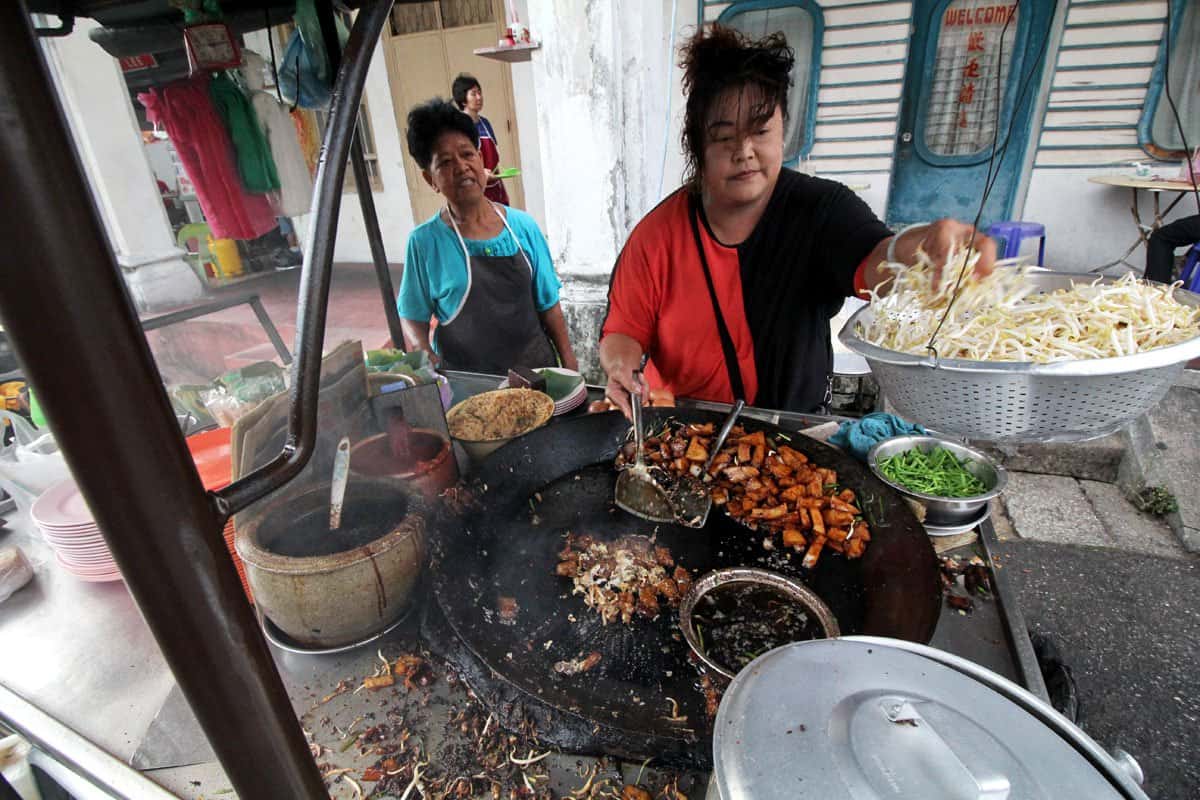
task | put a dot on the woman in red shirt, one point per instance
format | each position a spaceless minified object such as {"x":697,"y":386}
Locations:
{"x":729,"y":284}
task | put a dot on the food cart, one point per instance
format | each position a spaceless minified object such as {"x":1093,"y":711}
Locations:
{"x":177,"y":677}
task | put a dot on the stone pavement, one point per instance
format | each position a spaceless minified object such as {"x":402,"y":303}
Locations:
{"x":1063,"y":510}
{"x":1116,"y":588}
{"x":1076,"y":494}
{"x":1128,"y":626}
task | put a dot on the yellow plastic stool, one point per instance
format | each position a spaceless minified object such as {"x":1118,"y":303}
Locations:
{"x":225,"y":252}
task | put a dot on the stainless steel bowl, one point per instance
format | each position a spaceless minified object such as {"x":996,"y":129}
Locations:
{"x":749,"y":575}
{"x":943,"y":511}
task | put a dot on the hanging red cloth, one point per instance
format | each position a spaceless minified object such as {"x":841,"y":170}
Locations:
{"x":186,"y":110}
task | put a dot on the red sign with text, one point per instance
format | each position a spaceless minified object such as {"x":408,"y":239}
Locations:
{"x":135,"y":63}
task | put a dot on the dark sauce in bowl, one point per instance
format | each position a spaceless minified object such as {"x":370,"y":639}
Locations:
{"x":737,"y":623}
{"x":309,"y":535}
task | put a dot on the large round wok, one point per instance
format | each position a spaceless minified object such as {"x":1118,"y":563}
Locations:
{"x":507,"y":548}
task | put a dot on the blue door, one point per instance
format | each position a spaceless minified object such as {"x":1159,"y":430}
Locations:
{"x":950,"y":111}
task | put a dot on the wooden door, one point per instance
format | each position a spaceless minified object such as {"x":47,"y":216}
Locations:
{"x":427,"y":45}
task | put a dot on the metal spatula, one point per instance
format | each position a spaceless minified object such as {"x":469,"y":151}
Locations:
{"x":638,"y":492}
{"x":691,"y":498}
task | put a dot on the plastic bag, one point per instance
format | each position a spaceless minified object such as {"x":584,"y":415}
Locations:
{"x":308,"y":25}
{"x":32,"y":463}
{"x":305,"y":79}
{"x":15,"y":571}
{"x":299,"y":84}
{"x":237,"y":392}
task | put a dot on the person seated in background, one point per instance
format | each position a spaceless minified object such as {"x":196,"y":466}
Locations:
{"x":1160,"y":253}
{"x":483,"y":270}
{"x":468,"y":96}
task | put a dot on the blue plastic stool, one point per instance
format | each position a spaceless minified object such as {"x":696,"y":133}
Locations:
{"x":1191,"y":275}
{"x":1013,"y":232}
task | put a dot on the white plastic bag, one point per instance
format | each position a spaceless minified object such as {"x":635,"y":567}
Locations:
{"x":31,"y":464}
{"x":15,"y":571}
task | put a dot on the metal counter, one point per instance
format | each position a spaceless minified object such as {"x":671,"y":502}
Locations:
{"x":81,"y":653}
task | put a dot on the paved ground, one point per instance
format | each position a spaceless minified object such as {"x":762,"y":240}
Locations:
{"x":196,"y":351}
{"x":1129,"y":626}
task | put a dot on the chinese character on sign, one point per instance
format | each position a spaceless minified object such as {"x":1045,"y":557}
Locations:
{"x":966,"y":95}
{"x":971,"y":70}
{"x":962,"y":118}
{"x":975,"y":42}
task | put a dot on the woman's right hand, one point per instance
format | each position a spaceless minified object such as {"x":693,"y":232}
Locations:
{"x":620,"y":356}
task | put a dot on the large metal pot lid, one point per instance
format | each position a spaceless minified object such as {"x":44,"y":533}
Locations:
{"x":865,"y":717}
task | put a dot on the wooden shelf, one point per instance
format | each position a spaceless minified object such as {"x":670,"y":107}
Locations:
{"x":511,"y":55}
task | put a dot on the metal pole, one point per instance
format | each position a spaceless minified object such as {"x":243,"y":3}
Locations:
{"x":318,"y":264}
{"x":362,"y":183}
{"x":375,"y":239}
{"x":66,"y":300}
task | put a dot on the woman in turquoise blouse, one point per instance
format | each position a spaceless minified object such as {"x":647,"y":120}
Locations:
{"x":480,"y":270}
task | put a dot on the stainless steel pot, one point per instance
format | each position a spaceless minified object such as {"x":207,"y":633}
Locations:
{"x":329,"y":588}
{"x":863,"y":717}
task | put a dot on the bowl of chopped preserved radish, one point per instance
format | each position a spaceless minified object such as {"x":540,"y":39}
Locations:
{"x":1025,"y":356}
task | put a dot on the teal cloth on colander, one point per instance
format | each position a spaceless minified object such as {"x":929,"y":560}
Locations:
{"x":859,"y":436}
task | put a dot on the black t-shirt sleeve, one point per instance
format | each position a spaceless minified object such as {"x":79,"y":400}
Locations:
{"x":850,"y":232}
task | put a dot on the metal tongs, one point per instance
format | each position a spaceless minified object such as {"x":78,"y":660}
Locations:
{"x":691,"y":497}
{"x":638,"y":491}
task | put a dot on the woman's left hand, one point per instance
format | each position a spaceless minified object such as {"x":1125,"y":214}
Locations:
{"x":946,"y":236}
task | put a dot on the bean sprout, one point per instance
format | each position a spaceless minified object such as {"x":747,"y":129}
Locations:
{"x":1002,"y":317}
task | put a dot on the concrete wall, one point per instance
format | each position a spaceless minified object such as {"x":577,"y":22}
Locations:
{"x":392,"y":204}
{"x":602,"y":82}
{"x":108,"y":142}
{"x":528,"y":138}
{"x":158,"y":153}
{"x":1087,"y":224}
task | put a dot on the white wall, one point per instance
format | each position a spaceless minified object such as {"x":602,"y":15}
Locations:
{"x":528,"y":139}
{"x":1088,"y":224}
{"x":109,"y":144}
{"x":392,"y":205}
{"x":158,"y":153}
{"x":601,"y":84}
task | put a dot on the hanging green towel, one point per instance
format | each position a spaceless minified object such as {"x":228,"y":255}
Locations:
{"x":255,"y":164}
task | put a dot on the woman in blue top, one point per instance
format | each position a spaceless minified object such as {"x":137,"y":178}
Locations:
{"x":482,"y":270}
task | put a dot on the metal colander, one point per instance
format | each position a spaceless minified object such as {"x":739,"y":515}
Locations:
{"x":1007,"y":401}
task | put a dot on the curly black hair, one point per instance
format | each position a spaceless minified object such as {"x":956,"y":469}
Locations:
{"x":463,"y":84}
{"x":428,"y":121}
{"x":717,"y":58}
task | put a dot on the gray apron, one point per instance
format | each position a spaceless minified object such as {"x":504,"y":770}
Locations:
{"x":496,"y":327}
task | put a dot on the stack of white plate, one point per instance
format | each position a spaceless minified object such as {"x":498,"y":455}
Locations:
{"x":564,"y":401}
{"x":67,"y":526}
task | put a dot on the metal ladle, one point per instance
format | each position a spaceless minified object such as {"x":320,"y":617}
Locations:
{"x":341,"y":473}
{"x":637,"y":491}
